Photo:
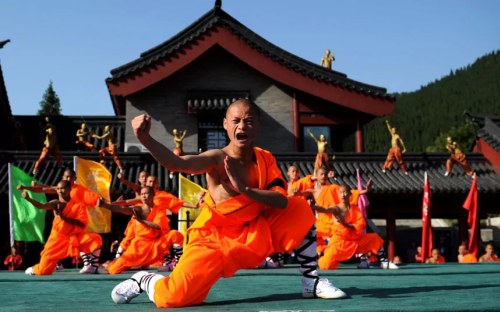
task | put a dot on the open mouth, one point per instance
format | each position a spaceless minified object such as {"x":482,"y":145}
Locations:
{"x":241,"y":136}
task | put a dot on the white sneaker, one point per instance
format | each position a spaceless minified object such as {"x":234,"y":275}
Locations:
{"x":128,"y":289}
{"x":89,"y":269}
{"x":29,"y":271}
{"x":269,"y":263}
{"x":446,"y":173}
{"x":322,"y":288}
{"x":388,"y":265}
{"x":383,"y":170}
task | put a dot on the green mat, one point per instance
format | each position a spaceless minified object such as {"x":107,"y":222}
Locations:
{"x":415,"y":287}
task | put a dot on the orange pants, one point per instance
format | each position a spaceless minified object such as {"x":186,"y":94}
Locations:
{"x":60,"y":246}
{"x":460,"y":159}
{"x":208,"y":254}
{"x":139,"y":254}
{"x":46,"y":152}
{"x":394,"y":154}
{"x":111,"y":150}
{"x":340,"y":250}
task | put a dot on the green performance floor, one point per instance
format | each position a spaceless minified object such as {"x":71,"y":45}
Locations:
{"x":414,"y":287}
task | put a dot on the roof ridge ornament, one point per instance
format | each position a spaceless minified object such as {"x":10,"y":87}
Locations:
{"x":218,"y":4}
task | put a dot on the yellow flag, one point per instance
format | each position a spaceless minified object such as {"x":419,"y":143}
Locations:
{"x":96,"y":178}
{"x":188,"y":192}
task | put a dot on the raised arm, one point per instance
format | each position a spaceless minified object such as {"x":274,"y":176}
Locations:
{"x":312,"y":135}
{"x":194,"y":164}
{"x":388,"y":125}
{"x":37,"y":188}
{"x":135,"y":187}
{"x":129,"y":210}
{"x":45,"y":206}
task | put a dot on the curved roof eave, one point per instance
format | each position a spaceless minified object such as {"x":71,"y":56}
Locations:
{"x":210,"y":26}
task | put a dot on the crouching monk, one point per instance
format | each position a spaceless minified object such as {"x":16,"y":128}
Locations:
{"x":246,"y":217}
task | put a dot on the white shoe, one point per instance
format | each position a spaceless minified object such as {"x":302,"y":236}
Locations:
{"x":90,"y":269}
{"x":29,"y":271}
{"x":320,"y":288}
{"x":128,"y":289}
{"x":446,"y":173}
{"x":388,"y":265}
{"x":383,"y":170}
{"x":269,"y":263}
{"x":59,"y":267}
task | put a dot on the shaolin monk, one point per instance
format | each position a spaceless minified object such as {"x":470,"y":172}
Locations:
{"x":246,"y":217}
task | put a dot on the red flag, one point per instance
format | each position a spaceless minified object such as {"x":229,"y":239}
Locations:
{"x":426,"y":221}
{"x":471,"y":205}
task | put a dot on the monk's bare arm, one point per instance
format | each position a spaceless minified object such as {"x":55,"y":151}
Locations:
{"x":194,"y":164}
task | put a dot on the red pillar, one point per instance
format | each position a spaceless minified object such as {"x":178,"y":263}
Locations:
{"x":359,"y":138}
{"x":296,"y":127}
{"x":391,"y":233}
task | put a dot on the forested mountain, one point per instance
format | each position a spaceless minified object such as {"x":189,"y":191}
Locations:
{"x":437,"y":109}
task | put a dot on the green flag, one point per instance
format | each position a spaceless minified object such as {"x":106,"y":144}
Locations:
{"x":27,"y":222}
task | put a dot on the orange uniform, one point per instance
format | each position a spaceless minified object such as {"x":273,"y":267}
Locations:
{"x":234,"y":234}
{"x":468,"y":258}
{"x":395,"y":154}
{"x":460,"y":159}
{"x":303,"y":184}
{"x":345,"y":242}
{"x":147,"y":245}
{"x":327,"y":197}
{"x":67,"y":240}
{"x":166,"y":201}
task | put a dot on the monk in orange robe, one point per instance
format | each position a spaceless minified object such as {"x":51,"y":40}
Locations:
{"x":348,"y":236}
{"x":80,"y":194}
{"x":464,"y":256}
{"x":149,"y":226}
{"x":325,"y":195}
{"x":436,"y":257}
{"x":167,"y":202}
{"x":67,"y":237}
{"x":246,"y":216}
{"x":299,"y":186}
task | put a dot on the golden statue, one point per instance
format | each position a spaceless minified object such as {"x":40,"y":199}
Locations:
{"x":111,"y":148}
{"x":50,"y":146}
{"x":457,"y":156}
{"x":326,"y":61}
{"x":178,"y":138}
{"x":322,"y":155}
{"x":83,"y":135}
{"x":395,"y":152}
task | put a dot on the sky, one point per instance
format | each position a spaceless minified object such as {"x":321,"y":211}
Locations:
{"x":400,"y":45}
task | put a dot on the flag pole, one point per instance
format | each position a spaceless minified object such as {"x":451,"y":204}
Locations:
{"x":11,"y":217}
{"x":179,"y":215}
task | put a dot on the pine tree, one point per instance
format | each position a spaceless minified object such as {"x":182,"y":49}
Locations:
{"x":50,"y":104}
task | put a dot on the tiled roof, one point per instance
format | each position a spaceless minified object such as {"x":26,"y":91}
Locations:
{"x":490,"y":132}
{"x":345,"y":165}
{"x":219,"y":18}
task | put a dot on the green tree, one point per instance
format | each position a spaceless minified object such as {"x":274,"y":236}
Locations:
{"x":465,"y":135}
{"x":50,"y":104}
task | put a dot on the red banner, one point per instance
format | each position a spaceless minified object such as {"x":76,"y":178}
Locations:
{"x":471,"y":205}
{"x":426,"y":221}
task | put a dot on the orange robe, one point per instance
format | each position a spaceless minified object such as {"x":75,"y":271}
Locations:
{"x":345,"y":242}
{"x":304,"y":184}
{"x":234,"y":234}
{"x":395,"y":154}
{"x":67,"y":240}
{"x":327,"y":197}
{"x":164,"y":200}
{"x":147,"y":246}
{"x":468,"y":258}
